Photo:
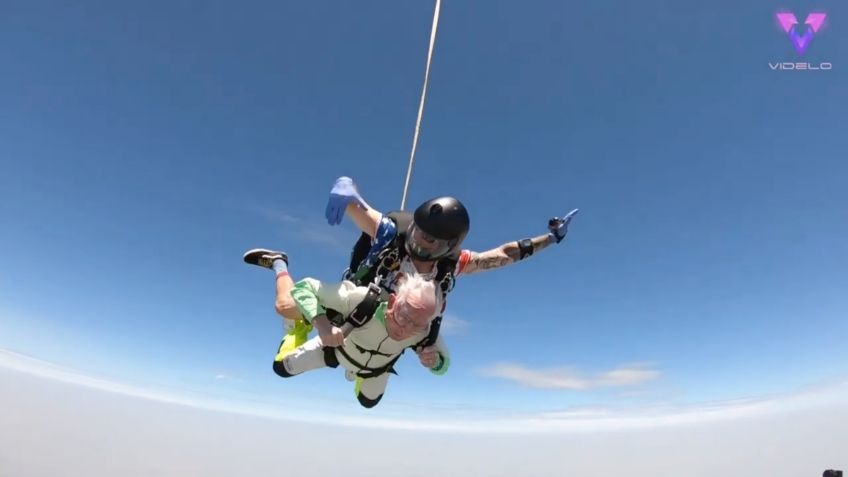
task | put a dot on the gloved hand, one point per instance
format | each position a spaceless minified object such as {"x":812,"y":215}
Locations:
{"x":343,"y":193}
{"x":559,"y":226}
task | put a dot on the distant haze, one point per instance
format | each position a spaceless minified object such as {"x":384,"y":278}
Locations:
{"x":53,"y":428}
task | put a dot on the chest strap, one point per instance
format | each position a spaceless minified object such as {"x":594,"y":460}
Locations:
{"x":364,"y":311}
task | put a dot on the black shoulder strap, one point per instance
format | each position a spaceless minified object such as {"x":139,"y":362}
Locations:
{"x":446,"y":266}
{"x":364,"y":311}
{"x":432,"y":336}
{"x":402,"y":219}
{"x":359,"y":252}
{"x":445,"y":269}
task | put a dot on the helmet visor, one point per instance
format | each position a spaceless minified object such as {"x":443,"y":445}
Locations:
{"x":424,"y":246}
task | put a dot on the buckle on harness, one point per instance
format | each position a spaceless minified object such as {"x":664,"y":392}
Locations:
{"x":366,"y":308}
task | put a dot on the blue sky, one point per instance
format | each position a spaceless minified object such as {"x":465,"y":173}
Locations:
{"x":143,"y":148}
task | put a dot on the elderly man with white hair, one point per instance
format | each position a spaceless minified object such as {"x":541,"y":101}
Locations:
{"x":370,"y":349}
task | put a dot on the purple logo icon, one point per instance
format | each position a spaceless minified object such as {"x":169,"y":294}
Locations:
{"x":811,"y":26}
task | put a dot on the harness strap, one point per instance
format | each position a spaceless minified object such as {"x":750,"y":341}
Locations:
{"x":366,"y":372}
{"x":364,"y":311}
{"x":370,"y":351}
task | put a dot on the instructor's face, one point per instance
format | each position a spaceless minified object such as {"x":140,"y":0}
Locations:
{"x":424,"y":245}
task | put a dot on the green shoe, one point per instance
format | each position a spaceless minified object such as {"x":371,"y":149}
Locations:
{"x":296,"y":336}
{"x":357,"y":386}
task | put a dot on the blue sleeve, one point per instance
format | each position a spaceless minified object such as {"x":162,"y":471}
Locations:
{"x":386,"y":232}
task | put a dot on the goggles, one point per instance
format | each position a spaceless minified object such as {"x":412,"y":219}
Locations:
{"x":424,"y":246}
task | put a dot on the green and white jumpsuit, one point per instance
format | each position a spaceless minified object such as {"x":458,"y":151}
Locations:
{"x":368,"y":351}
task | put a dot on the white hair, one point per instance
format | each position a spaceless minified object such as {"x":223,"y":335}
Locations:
{"x":424,"y":292}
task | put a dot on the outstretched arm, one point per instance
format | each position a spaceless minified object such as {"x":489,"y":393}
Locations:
{"x":512,"y":252}
{"x":504,"y":255}
{"x":365,"y":217}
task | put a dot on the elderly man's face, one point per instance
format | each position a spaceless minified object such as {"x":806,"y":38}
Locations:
{"x":404,"y":320}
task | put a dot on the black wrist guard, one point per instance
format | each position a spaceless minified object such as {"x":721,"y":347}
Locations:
{"x":525,"y":248}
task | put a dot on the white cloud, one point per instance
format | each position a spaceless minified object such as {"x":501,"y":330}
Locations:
{"x":98,"y":434}
{"x":310,"y":229}
{"x":576,"y":420}
{"x":325,"y":236}
{"x":626,"y":377}
{"x":568,"y":378}
{"x":452,"y":325}
{"x":44,"y":369}
{"x":275,"y":215}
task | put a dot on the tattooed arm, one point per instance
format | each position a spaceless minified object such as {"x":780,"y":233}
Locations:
{"x":506,"y":254}
{"x":512,"y":252}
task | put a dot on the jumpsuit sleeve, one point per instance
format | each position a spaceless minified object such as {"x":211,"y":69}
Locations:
{"x":443,"y":362}
{"x":385,"y":232}
{"x":313,"y":297}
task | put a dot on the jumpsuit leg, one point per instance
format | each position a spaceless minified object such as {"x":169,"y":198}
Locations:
{"x":369,"y":391}
{"x":304,"y":358}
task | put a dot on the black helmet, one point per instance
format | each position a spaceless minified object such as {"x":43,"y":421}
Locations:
{"x":439,"y":227}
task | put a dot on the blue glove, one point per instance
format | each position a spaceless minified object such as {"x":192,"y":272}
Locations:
{"x":559,"y":226}
{"x":343,"y":193}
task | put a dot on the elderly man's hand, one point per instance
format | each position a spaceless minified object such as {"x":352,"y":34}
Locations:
{"x":428,"y":356}
{"x":329,"y":334}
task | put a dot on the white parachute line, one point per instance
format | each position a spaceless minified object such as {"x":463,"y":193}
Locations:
{"x":421,"y":103}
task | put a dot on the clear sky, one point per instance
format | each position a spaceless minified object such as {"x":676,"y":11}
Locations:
{"x":144,"y":147}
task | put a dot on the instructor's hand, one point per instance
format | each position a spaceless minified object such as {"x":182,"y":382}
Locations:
{"x":343,"y":193}
{"x":559,"y":226}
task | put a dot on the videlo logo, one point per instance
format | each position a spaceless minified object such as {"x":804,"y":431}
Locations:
{"x":800,"y":35}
